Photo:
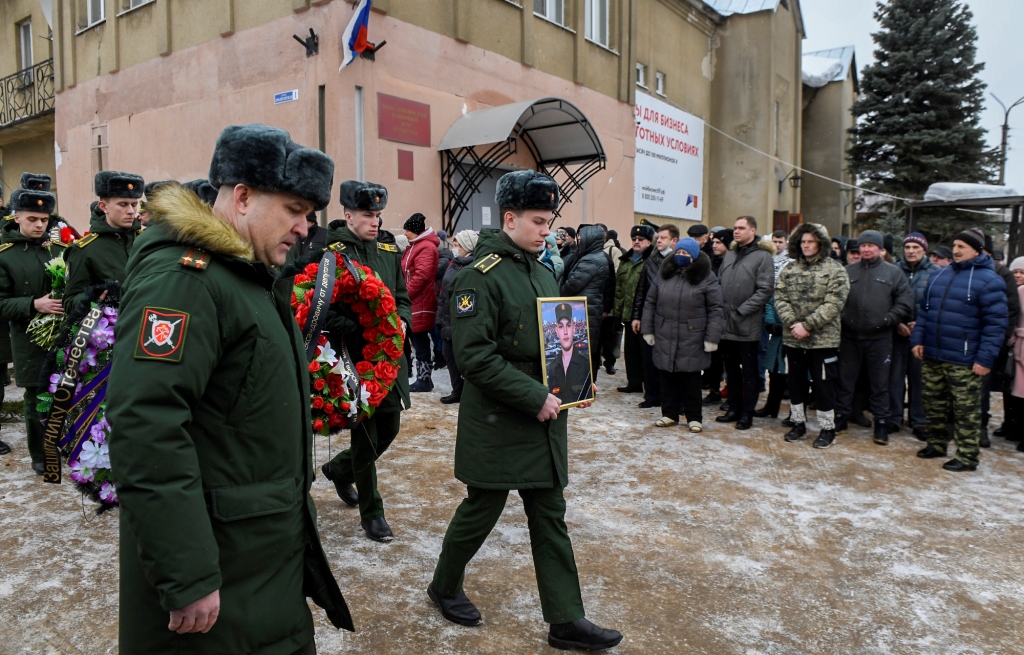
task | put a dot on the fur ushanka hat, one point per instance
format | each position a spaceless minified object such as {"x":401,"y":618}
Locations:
{"x":266,"y":158}
{"x":206,"y":191}
{"x":526,"y":190}
{"x":30,"y":200}
{"x":36,"y":181}
{"x":364,"y":196}
{"x":114,"y":184}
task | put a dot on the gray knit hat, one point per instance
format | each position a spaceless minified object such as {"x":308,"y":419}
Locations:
{"x":873,"y":237}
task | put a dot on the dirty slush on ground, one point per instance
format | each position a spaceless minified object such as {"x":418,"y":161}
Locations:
{"x":721,"y":542}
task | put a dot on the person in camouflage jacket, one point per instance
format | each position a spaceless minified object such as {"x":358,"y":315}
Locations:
{"x":809,"y":300}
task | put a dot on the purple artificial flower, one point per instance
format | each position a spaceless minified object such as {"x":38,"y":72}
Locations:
{"x":54,"y":381}
{"x":103,"y":336}
{"x":99,"y":432}
{"x":88,"y":360}
{"x":108,"y":493}
{"x":80,"y":474}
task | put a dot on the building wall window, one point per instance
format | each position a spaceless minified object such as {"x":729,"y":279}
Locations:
{"x":25,"y":44}
{"x":597,"y":21}
{"x":553,"y":10}
{"x":641,"y":75}
{"x":659,"y":83}
{"x":95,"y":11}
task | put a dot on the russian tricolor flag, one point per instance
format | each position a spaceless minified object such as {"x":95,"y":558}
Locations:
{"x":691,"y":200}
{"x":354,"y":38}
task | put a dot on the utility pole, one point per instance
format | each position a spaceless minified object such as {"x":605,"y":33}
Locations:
{"x":1006,"y":134}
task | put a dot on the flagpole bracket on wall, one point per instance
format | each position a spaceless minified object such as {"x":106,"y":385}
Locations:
{"x":312,"y":44}
{"x":371,"y":50}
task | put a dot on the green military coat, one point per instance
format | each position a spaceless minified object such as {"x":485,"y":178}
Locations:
{"x":496,"y":339}
{"x":23,"y":278}
{"x":385,"y":260}
{"x":208,"y":402}
{"x":97,"y":257}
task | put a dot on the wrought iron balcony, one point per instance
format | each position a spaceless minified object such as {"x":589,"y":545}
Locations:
{"x":26,"y":94}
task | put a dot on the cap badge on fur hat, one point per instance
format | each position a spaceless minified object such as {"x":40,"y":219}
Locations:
{"x":115,"y":184}
{"x":364,"y":196}
{"x":30,"y":200}
{"x":526,"y":190}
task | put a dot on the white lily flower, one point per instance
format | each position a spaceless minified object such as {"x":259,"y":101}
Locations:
{"x":327,"y":355}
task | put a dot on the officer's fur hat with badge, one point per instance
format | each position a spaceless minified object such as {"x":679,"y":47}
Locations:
{"x":522,"y":190}
{"x":265,"y":158}
{"x":363,"y":196}
{"x":115,"y":184}
{"x":36,"y":181}
{"x":30,"y":200}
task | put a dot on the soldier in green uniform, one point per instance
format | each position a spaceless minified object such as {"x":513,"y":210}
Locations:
{"x":511,"y":434}
{"x":102,"y":254}
{"x":208,"y":403}
{"x":356,"y":236}
{"x":569,"y":372}
{"x":25,"y":292}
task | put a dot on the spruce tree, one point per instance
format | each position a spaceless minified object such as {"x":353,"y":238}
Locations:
{"x":919,"y":109}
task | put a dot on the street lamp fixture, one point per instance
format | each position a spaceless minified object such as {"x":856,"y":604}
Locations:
{"x":794,"y":180}
{"x":1006,"y":134}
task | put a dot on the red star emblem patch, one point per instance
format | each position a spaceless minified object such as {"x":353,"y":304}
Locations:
{"x":162,"y":335}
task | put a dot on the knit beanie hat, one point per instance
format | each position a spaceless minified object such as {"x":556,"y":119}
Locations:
{"x":467,"y":240}
{"x":687,"y":250}
{"x":725,"y":236}
{"x":1017,"y":264}
{"x":442,"y":235}
{"x":918,"y":238}
{"x":973,"y":237}
{"x":874,"y":237}
{"x":570,"y":231}
{"x":416,"y":224}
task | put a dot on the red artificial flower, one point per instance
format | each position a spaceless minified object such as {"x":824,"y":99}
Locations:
{"x":370,"y":350}
{"x":319,"y":385}
{"x":360,"y":307}
{"x":321,"y":340}
{"x":386,"y":372}
{"x":318,"y":425}
{"x":328,"y":409}
{"x":336,"y":420}
{"x":389,"y":330}
{"x":366,"y":320}
{"x":311,"y":269}
{"x":301,"y":279}
{"x":318,"y":402}
{"x":302,"y":315}
{"x":314,"y":367}
{"x":370,"y":288}
{"x":67,"y":235}
{"x":387,"y":305}
{"x":345,"y":407}
{"x":348,"y":283}
{"x":336,"y":385}
{"x":392,"y":351}
{"x":362,"y":368}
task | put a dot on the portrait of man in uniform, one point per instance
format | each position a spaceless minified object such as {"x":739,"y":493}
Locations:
{"x":566,"y":346}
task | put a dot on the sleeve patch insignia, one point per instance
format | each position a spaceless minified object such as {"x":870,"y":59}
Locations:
{"x":465,"y":303}
{"x":162,"y":335}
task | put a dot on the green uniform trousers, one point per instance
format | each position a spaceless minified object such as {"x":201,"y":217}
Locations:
{"x":33,"y":428}
{"x":553,"y":562}
{"x":358,"y":463}
{"x":952,"y":389}
{"x":308,"y":649}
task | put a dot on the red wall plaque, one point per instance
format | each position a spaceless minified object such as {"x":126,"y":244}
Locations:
{"x":404,"y":121}
{"x":405,"y":164}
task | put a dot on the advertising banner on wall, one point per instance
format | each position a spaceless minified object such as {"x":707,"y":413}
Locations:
{"x":668,"y":179}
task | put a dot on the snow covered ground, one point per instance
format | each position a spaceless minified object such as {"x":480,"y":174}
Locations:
{"x":719,"y":543}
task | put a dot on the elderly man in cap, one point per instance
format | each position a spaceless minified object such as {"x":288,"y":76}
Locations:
{"x":101,"y":255}
{"x":961,"y":325}
{"x":631,"y":266}
{"x":511,"y":433}
{"x":880,"y":299}
{"x":208,"y":403}
{"x":357,"y":237}
{"x":24,"y":294}
{"x":941,"y":256}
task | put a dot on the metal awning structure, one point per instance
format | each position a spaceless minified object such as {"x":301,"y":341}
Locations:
{"x":562,"y":142}
{"x":1013,"y":203}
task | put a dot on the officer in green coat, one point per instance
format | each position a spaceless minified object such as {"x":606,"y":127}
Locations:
{"x":209,"y":406}
{"x":24,"y":293}
{"x":102,"y":254}
{"x":356,"y":236}
{"x":511,"y":434}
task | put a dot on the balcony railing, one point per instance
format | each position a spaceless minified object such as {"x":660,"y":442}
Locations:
{"x":26,"y":94}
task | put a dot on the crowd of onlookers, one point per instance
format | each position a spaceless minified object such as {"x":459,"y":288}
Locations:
{"x":918,"y":336}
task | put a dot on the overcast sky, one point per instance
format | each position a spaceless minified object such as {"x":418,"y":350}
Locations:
{"x":831,"y":23}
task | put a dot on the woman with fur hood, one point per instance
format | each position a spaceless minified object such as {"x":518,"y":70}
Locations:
{"x":809,"y":300}
{"x":683,"y":321}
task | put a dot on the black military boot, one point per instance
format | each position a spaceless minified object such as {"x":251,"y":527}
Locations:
{"x":931,"y":452}
{"x":798,"y":432}
{"x":881,"y":435}
{"x":346,"y":491}
{"x":957,"y":466}
{"x":457,"y":609}
{"x":377,"y":529}
{"x":984,"y":441}
{"x":581,"y":633}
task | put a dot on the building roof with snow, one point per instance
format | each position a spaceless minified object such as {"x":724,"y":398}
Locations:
{"x":729,"y":7}
{"x":825,"y":66}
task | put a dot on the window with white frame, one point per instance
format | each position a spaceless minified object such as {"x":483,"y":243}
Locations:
{"x":641,"y":75}
{"x":596,"y":18}
{"x":659,"y":83}
{"x":553,"y":10}
{"x":95,"y":11}
{"x":132,"y":4}
{"x":25,"y":44}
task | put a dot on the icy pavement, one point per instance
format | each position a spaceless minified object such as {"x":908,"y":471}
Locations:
{"x":721,"y":542}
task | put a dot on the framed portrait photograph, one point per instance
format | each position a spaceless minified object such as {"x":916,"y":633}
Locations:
{"x":565,"y":342}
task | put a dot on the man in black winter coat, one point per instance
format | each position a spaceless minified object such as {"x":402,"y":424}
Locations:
{"x":880,"y":299}
{"x":589,"y":273}
{"x":997,"y":376}
{"x":668,"y":236}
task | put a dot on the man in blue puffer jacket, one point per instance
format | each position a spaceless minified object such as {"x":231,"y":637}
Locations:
{"x":961,"y":325}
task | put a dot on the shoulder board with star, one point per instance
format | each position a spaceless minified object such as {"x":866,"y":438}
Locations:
{"x":6,"y":246}
{"x":336,"y":247}
{"x":387,"y":247}
{"x":195,"y":258}
{"x":487,"y":263}
{"x":86,"y":240}
{"x":60,"y":244}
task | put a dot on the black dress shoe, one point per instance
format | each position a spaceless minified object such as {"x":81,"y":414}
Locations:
{"x":457,"y":609}
{"x":729,"y":417}
{"x":882,"y":435}
{"x":610,"y":370}
{"x":744,"y":422}
{"x":39,"y":467}
{"x":957,"y":466}
{"x":4,"y":448}
{"x":346,"y":491}
{"x":629,"y":389}
{"x":647,"y":404}
{"x":581,"y":633}
{"x":377,"y":529}
{"x":1001,"y":431}
{"x":921,"y":434}
{"x":764,"y":412}
{"x":451,"y":399}
{"x":724,"y":406}
{"x":930,"y":452}
{"x":713,"y":398}
{"x":798,"y":432}
{"x":984,"y":441}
